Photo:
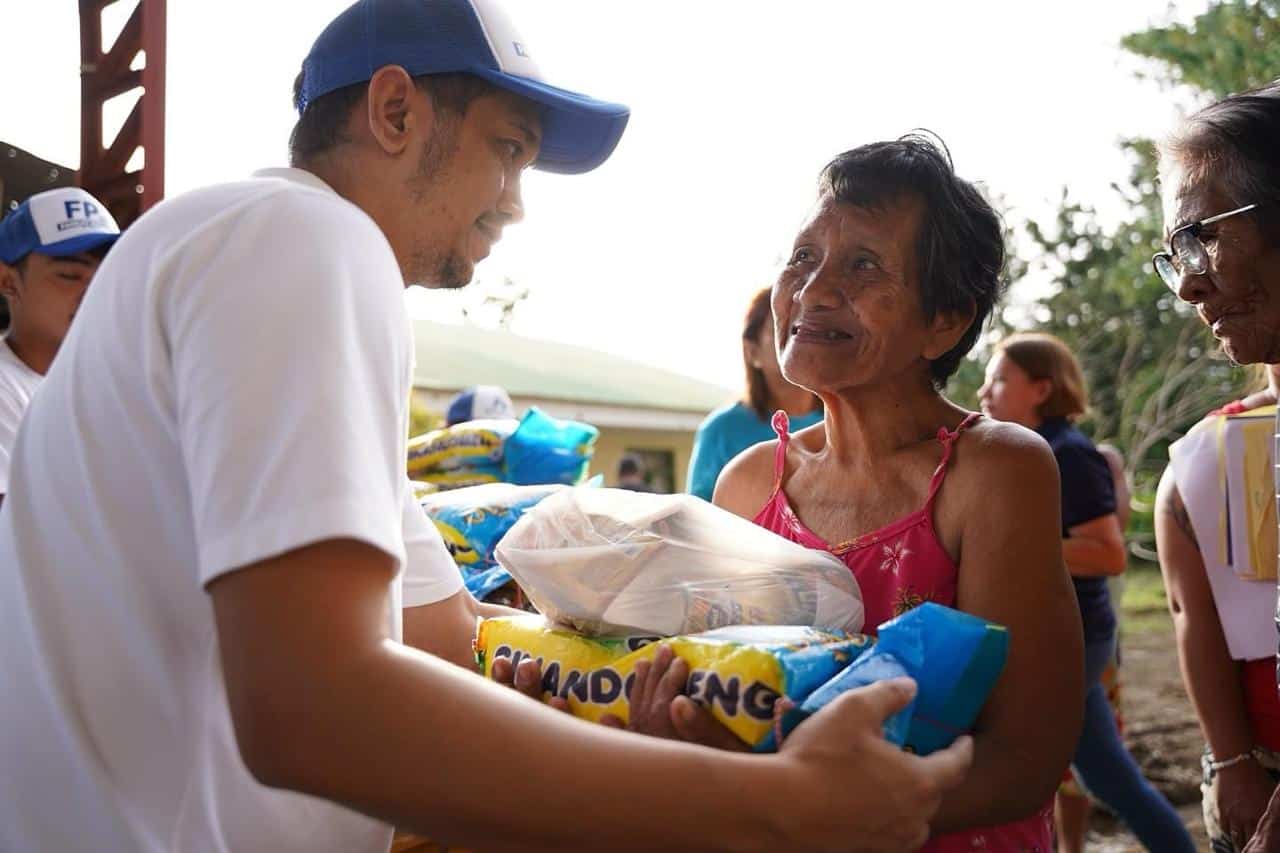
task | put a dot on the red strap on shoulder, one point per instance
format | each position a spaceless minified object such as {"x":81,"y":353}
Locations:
{"x":782,"y":426}
{"x":947,"y":439}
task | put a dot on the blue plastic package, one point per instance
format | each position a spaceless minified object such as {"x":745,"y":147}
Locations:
{"x":472,"y":520}
{"x":963,"y":658}
{"x":544,"y":449}
{"x":955,"y":659}
{"x":895,"y":654}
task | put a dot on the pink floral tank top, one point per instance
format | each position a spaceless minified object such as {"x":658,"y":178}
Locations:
{"x":898,"y":567}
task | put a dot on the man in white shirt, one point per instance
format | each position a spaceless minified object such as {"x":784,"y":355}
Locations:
{"x":202,"y":594}
{"x":50,"y":246}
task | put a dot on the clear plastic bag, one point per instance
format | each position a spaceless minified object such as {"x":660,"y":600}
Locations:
{"x":616,"y":562}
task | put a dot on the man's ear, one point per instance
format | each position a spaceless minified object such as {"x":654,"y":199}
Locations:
{"x":395,"y":108}
{"x":9,"y":278}
{"x":946,"y":330}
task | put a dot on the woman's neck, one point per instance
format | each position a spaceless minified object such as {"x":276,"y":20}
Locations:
{"x":792,"y":399}
{"x":864,"y":425}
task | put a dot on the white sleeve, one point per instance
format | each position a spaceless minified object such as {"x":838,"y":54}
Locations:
{"x":11,"y":412}
{"x":290,"y":352}
{"x":430,"y":575}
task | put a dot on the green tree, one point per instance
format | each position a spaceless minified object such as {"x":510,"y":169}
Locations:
{"x":1232,"y":46}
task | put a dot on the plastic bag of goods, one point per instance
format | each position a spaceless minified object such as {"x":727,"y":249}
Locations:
{"x":472,"y":520}
{"x":612,"y":562}
{"x":465,"y":454}
{"x":739,"y":673}
{"x":535,"y":450}
{"x":955,"y":658}
{"x":544,"y":449}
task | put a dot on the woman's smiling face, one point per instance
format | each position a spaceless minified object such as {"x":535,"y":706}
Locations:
{"x":847,"y":307}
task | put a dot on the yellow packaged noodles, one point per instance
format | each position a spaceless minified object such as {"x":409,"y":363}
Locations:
{"x":470,"y":445}
{"x":739,"y":672}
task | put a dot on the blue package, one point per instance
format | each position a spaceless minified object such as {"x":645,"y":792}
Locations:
{"x":544,"y":449}
{"x":471,"y":521}
{"x":963,"y":658}
{"x":895,"y":654}
{"x":955,"y":659}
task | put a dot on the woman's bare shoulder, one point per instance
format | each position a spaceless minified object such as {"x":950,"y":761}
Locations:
{"x":992,"y":453}
{"x":747,"y":481}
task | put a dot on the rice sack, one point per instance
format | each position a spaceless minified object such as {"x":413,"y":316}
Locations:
{"x":955,"y":658}
{"x":738,"y":672}
{"x":472,"y":520}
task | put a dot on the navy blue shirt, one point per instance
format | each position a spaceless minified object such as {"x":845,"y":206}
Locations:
{"x":1088,"y":492}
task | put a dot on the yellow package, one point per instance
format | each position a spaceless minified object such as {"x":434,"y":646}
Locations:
{"x":738,"y":672}
{"x":473,"y":444}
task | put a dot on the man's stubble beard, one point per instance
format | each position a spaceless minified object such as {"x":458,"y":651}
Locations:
{"x":428,"y":267}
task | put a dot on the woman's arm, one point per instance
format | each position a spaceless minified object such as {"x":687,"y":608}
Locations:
{"x":1095,"y":548}
{"x":1012,"y":573}
{"x":1211,"y":677}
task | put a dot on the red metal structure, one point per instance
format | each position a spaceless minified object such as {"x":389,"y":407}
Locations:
{"x":106,"y":74}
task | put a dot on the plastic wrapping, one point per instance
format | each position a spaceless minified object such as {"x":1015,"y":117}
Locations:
{"x":544,"y":449}
{"x":615,"y":562}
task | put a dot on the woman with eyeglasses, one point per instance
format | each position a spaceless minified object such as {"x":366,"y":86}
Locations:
{"x":1035,"y":380}
{"x":1220,"y":181}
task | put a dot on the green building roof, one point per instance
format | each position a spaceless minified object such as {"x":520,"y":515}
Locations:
{"x":450,"y":357}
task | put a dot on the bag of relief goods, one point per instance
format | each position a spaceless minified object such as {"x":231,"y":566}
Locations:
{"x":738,"y":672}
{"x":612,"y":562}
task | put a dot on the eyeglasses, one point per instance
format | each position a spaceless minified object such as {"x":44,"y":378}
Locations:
{"x":1188,"y":252}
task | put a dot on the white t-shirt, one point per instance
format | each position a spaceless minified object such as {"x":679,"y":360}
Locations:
{"x":17,"y":383}
{"x":235,"y":386}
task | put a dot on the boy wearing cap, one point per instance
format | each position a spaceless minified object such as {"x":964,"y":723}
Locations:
{"x":479,"y":402}
{"x":203,"y":593}
{"x":50,"y":247}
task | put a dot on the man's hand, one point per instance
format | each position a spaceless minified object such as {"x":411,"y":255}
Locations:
{"x":845,"y":775}
{"x":1242,"y":792}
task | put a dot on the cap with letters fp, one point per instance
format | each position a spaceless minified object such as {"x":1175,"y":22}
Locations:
{"x":58,"y":223}
{"x":473,"y":36}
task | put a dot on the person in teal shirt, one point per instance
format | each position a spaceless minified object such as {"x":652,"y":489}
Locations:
{"x":733,"y":428}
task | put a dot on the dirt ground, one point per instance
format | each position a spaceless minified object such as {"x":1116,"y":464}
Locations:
{"x":1160,"y":727}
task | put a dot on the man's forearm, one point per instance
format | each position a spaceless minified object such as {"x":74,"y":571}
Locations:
{"x":385,"y":723}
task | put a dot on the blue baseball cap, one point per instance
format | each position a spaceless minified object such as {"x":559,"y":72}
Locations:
{"x":472,"y":36}
{"x":60,"y":222}
{"x":479,"y":402}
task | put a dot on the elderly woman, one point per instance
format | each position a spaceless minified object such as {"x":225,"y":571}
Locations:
{"x":1220,"y":179}
{"x":1223,"y":623}
{"x":890,"y":280}
{"x":888,"y":284}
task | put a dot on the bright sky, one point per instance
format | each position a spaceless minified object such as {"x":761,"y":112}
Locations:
{"x":736,"y":105}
